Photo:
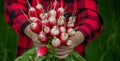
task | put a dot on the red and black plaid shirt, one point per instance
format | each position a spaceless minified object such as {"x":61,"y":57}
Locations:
{"x":88,"y":20}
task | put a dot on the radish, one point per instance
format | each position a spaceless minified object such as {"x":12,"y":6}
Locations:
{"x":42,"y":51}
{"x":62,"y":29}
{"x":72,"y":19}
{"x":32,"y":11}
{"x":52,"y":21}
{"x":56,"y":42}
{"x":61,"y":21}
{"x":70,"y":25}
{"x":60,"y":12}
{"x":43,"y":16}
{"x":52,"y":13}
{"x":70,"y":31}
{"x":39,"y":8}
{"x":46,"y":29}
{"x":35,"y":19}
{"x":45,"y":22}
{"x":71,"y":22}
{"x":35,"y":27}
{"x":42,"y":37}
{"x":69,"y":42}
{"x":54,"y":31}
{"x":63,"y":38}
{"x":32,"y":19}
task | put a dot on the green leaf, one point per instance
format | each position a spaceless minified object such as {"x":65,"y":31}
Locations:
{"x":30,"y":55}
{"x":77,"y":57}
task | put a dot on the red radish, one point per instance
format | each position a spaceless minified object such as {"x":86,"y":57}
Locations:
{"x":52,"y":13}
{"x":46,"y":15}
{"x":72,"y":19}
{"x":54,"y":31}
{"x":42,"y":51}
{"x":62,"y":29}
{"x":35,"y":27}
{"x":70,"y":31}
{"x":71,"y":22}
{"x":45,"y":22}
{"x":61,"y":21}
{"x":43,"y":16}
{"x":42,"y":37}
{"x":39,"y":22}
{"x":69,"y":42}
{"x":33,"y":18}
{"x":70,"y":25}
{"x":60,"y":12}
{"x":46,"y":29}
{"x":52,"y":21}
{"x":39,"y":9}
{"x":32,"y":11}
{"x":63,"y":38}
{"x":56,"y":42}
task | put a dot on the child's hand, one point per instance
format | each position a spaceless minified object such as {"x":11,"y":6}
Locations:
{"x":33,"y":36}
{"x":64,"y":51}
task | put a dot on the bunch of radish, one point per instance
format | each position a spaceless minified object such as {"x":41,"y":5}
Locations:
{"x":51,"y":24}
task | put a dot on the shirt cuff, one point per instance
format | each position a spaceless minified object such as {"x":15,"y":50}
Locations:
{"x":23,"y":26}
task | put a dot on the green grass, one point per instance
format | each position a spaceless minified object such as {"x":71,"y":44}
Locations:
{"x":105,"y":48}
{"x":8,"y":39}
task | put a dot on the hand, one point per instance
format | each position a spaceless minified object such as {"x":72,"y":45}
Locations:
{"x":33,"y":36}
{"x":64,"y":51}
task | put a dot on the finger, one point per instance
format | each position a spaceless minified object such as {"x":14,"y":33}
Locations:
{"x":38,"y":44}
{"x":72,"y":41}
{"x":63,"y":57}
{"x":64,"y":52}
{"x":65,"y":48}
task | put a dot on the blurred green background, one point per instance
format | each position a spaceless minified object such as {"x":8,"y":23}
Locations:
{"x":105,"y":48}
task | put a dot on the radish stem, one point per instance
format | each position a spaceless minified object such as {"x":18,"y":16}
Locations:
{"x":25,"y":15}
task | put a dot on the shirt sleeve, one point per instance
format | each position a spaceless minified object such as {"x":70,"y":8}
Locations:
{"x":14,"y":16}
{"x":89,"y":20}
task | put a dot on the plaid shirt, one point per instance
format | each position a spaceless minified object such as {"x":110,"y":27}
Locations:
{"x":88,"y":20}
